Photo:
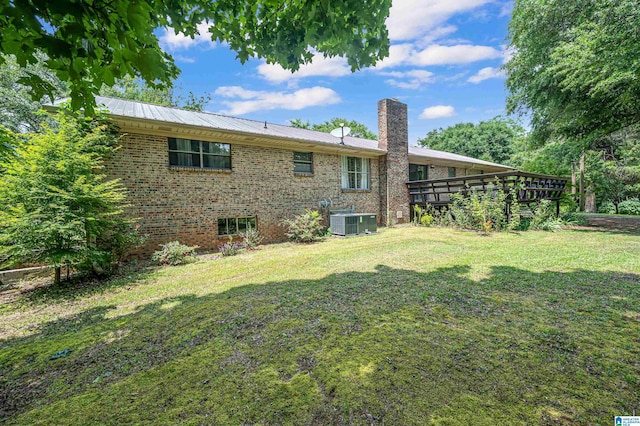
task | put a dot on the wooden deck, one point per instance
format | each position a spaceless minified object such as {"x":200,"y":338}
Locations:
{"x":533,"y":188}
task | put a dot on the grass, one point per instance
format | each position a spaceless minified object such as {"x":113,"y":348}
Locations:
{"x":410,"y":326}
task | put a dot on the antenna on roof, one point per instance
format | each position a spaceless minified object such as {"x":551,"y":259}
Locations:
{"x":265,"y":124}
{"x":340,"y":132}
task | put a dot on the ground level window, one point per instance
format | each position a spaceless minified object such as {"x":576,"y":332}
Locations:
{"x":235,"y":225}
{"x":199,"y":154}
{"x":452,"y":171}
{"x":418,"y":172}
{"x":303,"y":162}
{"x":355,"y":173}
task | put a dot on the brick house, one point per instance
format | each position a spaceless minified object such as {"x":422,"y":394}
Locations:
{"x":200,"y":177}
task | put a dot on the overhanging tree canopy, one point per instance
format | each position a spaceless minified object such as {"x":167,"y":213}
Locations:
{"x":91,"y":43}
{"x":575,"y":66}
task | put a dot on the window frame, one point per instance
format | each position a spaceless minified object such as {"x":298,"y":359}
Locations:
{"x":309,"y":162}
{"x":253,"y":220}
{"x":200,"y":153}
{"x":418,"y":166}
{"x":357,"y":174}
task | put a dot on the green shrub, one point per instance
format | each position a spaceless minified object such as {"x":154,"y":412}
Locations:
{"x":305,"y":228}
{"x":573,"y":219}
{"x":544,"y":217}
{"x":421,"y":216}
{"x":251,"y":238}
{"x":480,"y":210}
{"x":607,"y":208}
{"x":230,"y":248}
{"x":630,"y":206}
{"x":174,"y":253}
{"x":426,"y":220}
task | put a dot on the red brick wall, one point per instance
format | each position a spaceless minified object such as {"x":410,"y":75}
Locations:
{"x":184,"y":205}
{"x":393,"y":136}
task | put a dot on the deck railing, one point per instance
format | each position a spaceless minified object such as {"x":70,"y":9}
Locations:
{"x":531,"y":187}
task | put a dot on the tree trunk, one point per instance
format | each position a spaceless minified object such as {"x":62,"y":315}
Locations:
{"x":56,"y":279}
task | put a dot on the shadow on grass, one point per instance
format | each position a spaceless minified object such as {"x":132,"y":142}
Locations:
{"x":390,"y":346}
{"x":80,"y":285}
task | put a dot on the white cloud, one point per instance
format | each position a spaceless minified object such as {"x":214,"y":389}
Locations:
{"x":180,"y":41}
{"x":413,"y":79}
{"x":436,"y":54}
{"x":436,"y":34}
{"x":438,"y":111}
{"x":319,"y":66}
{"x":411,"y":19}
{"x":486,"y":74}
{"x":459,"y":54}
{"x":398,"y":55}
{"x":251,"y":101}
{"x":186,"y":59}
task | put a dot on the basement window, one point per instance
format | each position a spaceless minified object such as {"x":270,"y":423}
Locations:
{"x":235,"y":225}
{"x":303,"y":163}
{"x":355,"y":173}
{"x":452,"y":171}
{"x":199,"y":154}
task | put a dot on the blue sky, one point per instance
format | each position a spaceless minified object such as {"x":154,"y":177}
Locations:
{"x":444,"y":64}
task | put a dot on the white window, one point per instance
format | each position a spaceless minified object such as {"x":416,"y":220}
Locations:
{"x":355,"y":173}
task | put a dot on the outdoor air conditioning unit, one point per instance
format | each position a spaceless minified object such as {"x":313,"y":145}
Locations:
{"x":353,"y":223}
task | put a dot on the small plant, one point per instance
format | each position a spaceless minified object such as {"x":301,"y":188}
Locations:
{"x":305,"y":228}
{"x":421,"y":216}
{"x":251,"y":238}
{"x":544,"y":218}
{"x":607,"y":208}
{"x":174,"y":253}
{"x":573,"y":219}
{"x":630,"y":206}
{"x":426,"y":220}
{"x":230,"y":248}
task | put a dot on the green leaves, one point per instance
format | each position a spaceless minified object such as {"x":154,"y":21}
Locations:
{"x":575,"y":67}
{"x":55,"y":208}
{"x":495,"y":140}
{"x":358,"y":130}
{"x":89,"y":43}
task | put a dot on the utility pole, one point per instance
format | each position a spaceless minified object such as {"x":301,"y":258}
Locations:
{"x":574,"y":180}
{"x":582,"y":194}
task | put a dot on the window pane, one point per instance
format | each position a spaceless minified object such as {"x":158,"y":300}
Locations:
{"x":242,"y":224}
{"x":452,"y":172}
{"x":187,"y":145}
{"x":216,"y":162}
{"x":185,"y":160}
{"x":222,"y":227}
{"x":216,"y":148}
{"x":232,"y":226}
{"x":413,"y":172}
{"x":352,"y":181}
{"x":358,"y":164}
{"x":302,"y":168}
{"x":423,"y":172}
{"x":302,"y":156}
{"x":251,"y":221}
{"x":173,"y":145}
{"x":351,"y":164}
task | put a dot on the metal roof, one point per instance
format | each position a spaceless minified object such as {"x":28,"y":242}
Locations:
{"x":141,"y":110}
{"x":145,"y":111}
{"x":448,"y":156}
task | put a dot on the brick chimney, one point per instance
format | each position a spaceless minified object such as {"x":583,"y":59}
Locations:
{"x":393,"y":136}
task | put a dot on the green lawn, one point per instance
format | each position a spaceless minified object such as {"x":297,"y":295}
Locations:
{"x":410,"y":326}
